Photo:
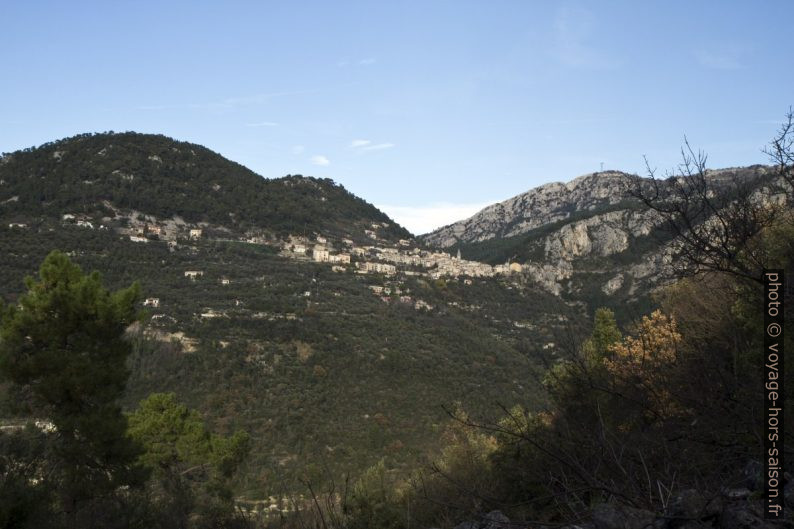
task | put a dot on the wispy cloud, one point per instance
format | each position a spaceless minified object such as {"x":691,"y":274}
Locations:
{"x":298,"y":149}
{"x":725,"y":59}
{"x":262,"y":124}
{"x":573,"y":28}
{"x":367,"y":145}
{"x":230,"y":103}
{"x":367,"y":62}
{"x":424,"y":219}
{"x":320,"y":160}
{"x":378,"y":147}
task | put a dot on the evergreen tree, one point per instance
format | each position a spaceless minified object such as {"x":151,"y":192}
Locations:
{"x":192,"y":467}
{"x":62,"y":347}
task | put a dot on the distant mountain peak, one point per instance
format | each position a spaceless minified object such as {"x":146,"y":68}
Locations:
{"x":544,"y":204}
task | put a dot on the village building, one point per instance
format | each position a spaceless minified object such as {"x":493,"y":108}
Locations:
{"x":151,"y":302}
{"x":380,"y":268}
{"x":320,"y":254}
{"x":195,"y":233}
{"x":193,"y":274}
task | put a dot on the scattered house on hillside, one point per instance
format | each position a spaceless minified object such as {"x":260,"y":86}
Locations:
{"x":299,"y":248}
{"x":320,"y":254}
{"x":21,"y":225}
{"x":136,"y":238}
{"x":154,"y":229}
{"x":337,"y":268}
{"x":343,"y":258}
{"x":371,"y":234}
{"x":420,"y":304}
{"x":195,"y":233}
{"x":359,"y":251}
{"x":348,"y":242}
{"x":467,"y":281}
{"x":321,"y":239}
{"x":85,"y":224}
{"x":193,"y":274}
{"x":377,"y":289}
{"x":224,"y":281}
{"x":404,"y":242}
{"x":151,"y":302}
{"x":515,"y":267}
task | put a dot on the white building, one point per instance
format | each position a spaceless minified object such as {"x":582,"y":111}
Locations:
{"x":151,"y":302}
{"x":193,"y":274}
{"x":320,"y":254}
{"x":195,"y":233}
{"x":379,"y":268}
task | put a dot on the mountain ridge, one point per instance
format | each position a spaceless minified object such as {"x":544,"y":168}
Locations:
{"x":157,"y":175}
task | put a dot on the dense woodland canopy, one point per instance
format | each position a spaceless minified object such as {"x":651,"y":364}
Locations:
{"x":159,"y":176}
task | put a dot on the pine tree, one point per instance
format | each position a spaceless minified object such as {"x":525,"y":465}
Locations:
{"x":63,"y":347}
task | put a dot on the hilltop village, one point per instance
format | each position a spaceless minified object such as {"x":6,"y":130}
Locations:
{"x":370,"y":254}
{"x":405,"y":258}
{"x":380,"y":256}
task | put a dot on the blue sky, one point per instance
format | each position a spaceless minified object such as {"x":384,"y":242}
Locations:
{"x":427,"y":109}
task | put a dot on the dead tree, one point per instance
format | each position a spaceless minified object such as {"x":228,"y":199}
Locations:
{"x":715,"y":219}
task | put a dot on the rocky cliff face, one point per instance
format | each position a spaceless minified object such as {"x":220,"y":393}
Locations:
{"x":543,"y":205}
{"x":586,"y":240}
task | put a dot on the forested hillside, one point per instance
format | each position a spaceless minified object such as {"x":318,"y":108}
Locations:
{"x":93,"y":173}
{"x":325,"y":375}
